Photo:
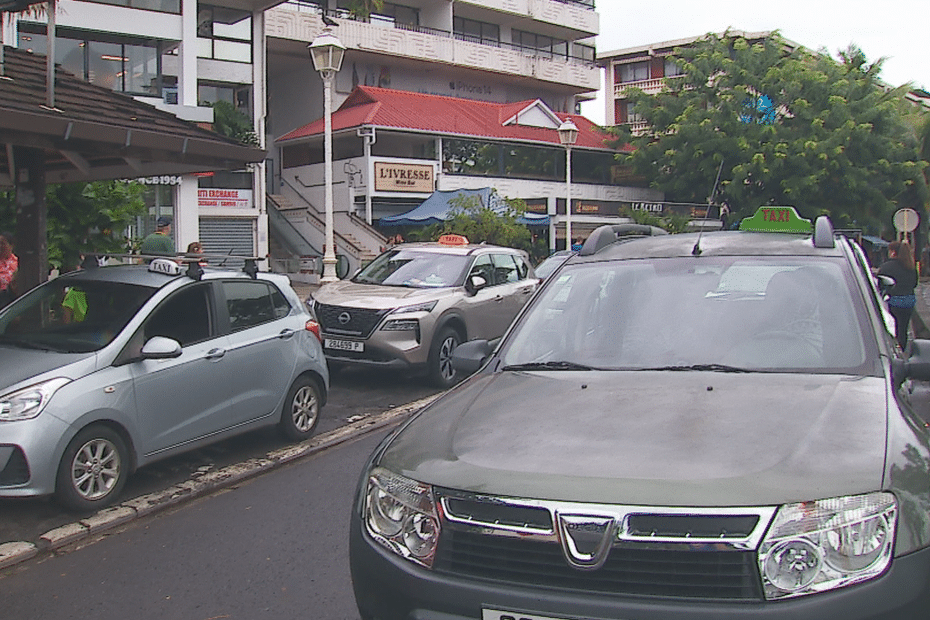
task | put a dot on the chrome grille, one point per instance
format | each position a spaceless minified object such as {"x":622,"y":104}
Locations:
{"x":675,"y":552}
{"x":636,"y":570}
{"x":360,"y":323}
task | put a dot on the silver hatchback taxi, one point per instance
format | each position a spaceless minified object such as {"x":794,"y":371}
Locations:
{"x":108,"y":369}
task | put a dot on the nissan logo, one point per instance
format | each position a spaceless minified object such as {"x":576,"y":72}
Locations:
{"x":344,"y":318}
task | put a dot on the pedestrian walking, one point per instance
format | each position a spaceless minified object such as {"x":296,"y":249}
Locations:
{"x":160,"y":241}
{"x":901,"y":298}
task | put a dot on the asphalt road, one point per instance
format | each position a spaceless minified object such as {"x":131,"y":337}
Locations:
{"x":275,"y":546}
{"x":354,"y":394}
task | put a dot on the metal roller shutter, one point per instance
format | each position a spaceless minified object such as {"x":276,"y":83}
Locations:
{"x":224,"y":235}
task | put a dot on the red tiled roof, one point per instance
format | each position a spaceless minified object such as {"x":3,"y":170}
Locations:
{"x":403,"y":110}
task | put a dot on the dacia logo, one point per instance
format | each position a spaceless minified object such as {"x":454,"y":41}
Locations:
{"x":586,"y":539}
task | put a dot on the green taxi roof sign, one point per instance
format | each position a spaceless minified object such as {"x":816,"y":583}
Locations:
{"x":777,"y":219}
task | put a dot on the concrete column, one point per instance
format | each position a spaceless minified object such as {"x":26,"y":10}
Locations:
{"x":187,"y":55}
{"x":31,"y":244}
{"x":186,"y":213}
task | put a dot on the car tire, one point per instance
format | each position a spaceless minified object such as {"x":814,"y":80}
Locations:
{"x":93,"y":469}
{"x":301,"y":410}
{"x":441,"y":372}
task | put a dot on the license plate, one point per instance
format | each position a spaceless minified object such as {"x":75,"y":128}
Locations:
{"x":496,"y":614}
{"x":344,"y":345}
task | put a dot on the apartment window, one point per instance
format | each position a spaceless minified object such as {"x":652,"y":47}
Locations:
{"x":121,"y":64}
{"x":240,"y":95}
{"x":541,"y":44}
{"x":391,"y":14}
{"x":583,"y":52}
{"x":632,"y":72}
{"x":162,"y":6}
{"x":672,"y":68}
{"x":224,"y":34}
{"x":475,"y":31}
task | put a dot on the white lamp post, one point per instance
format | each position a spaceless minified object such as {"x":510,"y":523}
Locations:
{"x":568,"y":133}
{"x":327,"y":53}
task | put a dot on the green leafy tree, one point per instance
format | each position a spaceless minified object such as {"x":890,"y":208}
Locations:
{"x":83,"y":218}
{"x":91,"y":217}
{"x":789,"y":126}
{"x":673,"y":222}
{"x":230,"y":122}
{"x":481,"y":224}
{"x":362,"y":9}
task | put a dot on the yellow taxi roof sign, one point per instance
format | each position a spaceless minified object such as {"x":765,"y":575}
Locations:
{"x":777,"y":219}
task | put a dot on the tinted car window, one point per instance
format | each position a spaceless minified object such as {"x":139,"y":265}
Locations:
{"x":752,"y":314}
{"x":415,"y":269}
{"x":505,"y":268}
{"x":185,"y":316}
{"x":72,"y":315}
{"x":252,"y":303}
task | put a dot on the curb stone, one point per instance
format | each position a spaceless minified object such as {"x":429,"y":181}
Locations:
{"x":200,"y":484}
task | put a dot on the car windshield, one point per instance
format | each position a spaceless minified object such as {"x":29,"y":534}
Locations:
{"x":551,"y":264}
{"x":415,"y":269}
{"x":716,"y":314}
{"x":71,"y":315}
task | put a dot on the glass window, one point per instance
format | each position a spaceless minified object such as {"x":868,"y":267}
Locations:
{"x":478,"y":32}
{"x":162,"y":6}
{"x":749,"y":313}
{"x":505,"y":268}
{"x":672,"y":68}
{"x":483,"y":267}
{"x":414,"y":269}
{"x":142,"y":69}
{"x":224,"y":34}
{"x":185,"y":317}
{"x":249,"y":303}
{"x":105,"y":65}
{"x":72,"y":315}
{"x":634,"y":72}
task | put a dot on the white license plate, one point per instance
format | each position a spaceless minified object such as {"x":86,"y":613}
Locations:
{"x":344,"y":345}
{"x":496,"y":614}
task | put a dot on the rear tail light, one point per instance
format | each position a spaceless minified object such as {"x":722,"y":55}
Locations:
{"x":314,"y":327}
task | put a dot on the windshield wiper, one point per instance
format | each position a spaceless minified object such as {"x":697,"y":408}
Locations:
{"x":549,"y":366}
{"x":701,"y":367}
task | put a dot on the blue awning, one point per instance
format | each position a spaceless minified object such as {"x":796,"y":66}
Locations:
{"x":436,"y":209}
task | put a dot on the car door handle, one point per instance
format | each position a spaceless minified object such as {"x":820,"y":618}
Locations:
{"x":215,"y":354}
{"x":286,"y":334}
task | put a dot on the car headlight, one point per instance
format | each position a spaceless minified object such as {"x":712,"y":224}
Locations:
{"x":29,"y":402}
{"x":426,"y":306}
{"x":400,"y":514}
{"x":827,"y":544}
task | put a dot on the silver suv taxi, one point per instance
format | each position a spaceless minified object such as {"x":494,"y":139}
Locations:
{"x":107,"y":369}
{"x":412,"y":305}
{"x":678,"y":427}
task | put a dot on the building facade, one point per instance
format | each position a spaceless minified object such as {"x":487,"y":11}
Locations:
{"x":181,"y":56}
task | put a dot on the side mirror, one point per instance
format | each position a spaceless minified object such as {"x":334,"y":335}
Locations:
{"x":469,"y":356}
{"x":884,"y":283}
{"x":161,"y":348}
{"x":475,"y":283}
{"x":917,"y":364}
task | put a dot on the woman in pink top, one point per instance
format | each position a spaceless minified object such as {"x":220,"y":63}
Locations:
{"x":8,"y":266}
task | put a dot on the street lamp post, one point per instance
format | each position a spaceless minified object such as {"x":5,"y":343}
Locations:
{"x":568,"y":134}
{"x":327,"y":53}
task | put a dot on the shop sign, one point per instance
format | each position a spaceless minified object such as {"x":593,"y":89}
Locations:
{"x":391,"y":177}
{"x":218,"y":197}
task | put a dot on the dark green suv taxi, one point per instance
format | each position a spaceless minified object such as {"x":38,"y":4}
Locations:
{"x":677,"y":427}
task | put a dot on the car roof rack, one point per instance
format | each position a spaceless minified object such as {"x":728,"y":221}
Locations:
{"x":609,"y":234}
{"x":195,"y":262}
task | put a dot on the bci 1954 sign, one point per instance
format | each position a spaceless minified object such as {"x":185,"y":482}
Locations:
{"x":391,"y":177}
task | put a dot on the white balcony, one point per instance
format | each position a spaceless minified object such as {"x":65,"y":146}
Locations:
{"x":429,"y":45}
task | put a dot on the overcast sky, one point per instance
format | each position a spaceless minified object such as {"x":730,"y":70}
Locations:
{"x":895,"y":29}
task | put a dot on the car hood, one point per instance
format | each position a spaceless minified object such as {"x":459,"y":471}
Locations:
{"x":347,"y":293}
{"x":651,"y":438}
{"x":22,"y":367}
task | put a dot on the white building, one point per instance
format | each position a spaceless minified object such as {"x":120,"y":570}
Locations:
{"x":180,"y":56}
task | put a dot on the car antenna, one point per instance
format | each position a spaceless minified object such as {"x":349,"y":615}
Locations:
{"x":696,"y":251}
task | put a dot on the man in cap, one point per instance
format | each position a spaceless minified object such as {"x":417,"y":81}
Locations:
{"x":160,"y":241}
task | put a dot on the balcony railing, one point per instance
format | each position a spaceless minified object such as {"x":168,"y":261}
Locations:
{"x":311,"y":7}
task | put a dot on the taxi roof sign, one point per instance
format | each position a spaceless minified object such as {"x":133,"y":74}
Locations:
{"x":450,"y":239}
{"x":777,"y":219}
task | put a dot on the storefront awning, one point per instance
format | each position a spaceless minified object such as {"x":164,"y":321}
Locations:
{"x":439,"y":205}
